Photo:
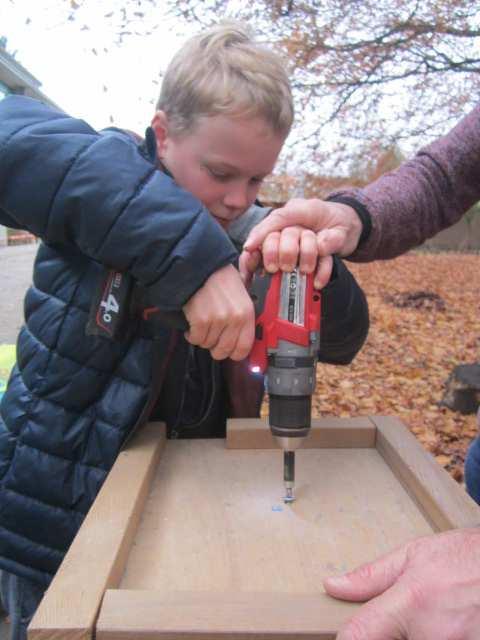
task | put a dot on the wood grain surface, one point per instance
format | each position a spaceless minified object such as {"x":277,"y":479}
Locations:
{"x":98,"y":554}
{"x":148,"y":615}
{"x":215,"y":520}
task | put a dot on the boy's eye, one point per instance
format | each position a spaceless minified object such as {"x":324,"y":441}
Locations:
{"x":219,"y":175}
{"x":225,"y":177}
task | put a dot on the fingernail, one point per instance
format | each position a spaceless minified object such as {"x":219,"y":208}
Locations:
{"x":271,"y":268}
{"x":338,"y":581}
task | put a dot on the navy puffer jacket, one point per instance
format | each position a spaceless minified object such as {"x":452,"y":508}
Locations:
{"x":72,"y":400}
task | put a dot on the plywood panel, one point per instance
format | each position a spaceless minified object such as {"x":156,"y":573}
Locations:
{"x":215,"y":520}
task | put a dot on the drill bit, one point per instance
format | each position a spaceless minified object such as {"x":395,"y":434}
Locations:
{"x":289,"y":475}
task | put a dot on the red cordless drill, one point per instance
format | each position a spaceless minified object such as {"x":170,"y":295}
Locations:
{"x":287,"y":338}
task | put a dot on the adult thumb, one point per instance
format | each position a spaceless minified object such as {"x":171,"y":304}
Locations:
{"x":368,"y":580}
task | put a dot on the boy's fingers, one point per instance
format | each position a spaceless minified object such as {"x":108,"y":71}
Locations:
{"x":248,"y":263}
{"x":225,"y":344}
{"x":308,"y":251}
{"x":288,"y":248}
{"x":324,"y":272}
{"x":234,"y":343}
{"x":245,"y":339}
{"x":212,"y":337}
{"x":197,"y":334}
{"x":200,"y":324}
{"x":270,"y":252}
{"x":222,"y":309}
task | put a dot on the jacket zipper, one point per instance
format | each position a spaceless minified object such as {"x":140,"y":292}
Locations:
{"x":159,"y":371}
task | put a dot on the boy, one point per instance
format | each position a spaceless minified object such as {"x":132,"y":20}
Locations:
{"x":102,"y":200}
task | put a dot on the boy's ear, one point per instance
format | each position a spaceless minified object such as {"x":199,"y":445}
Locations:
{"x":160,"y":127}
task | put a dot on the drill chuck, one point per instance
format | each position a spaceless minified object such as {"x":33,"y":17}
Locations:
{"x":290,"y":385}
{"x":290,"y":418}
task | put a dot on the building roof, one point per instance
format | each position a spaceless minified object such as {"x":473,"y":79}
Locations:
{"x":19,"y":80}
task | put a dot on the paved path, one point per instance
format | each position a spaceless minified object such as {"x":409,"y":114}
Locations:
{"x":16,"y":264}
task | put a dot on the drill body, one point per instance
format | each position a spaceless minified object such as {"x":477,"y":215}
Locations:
{"x":287,"y":339}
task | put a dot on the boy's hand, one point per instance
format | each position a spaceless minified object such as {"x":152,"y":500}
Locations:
{"x":337,"y":228}
{"x":285,"y":249}
{"x":221,"y":316}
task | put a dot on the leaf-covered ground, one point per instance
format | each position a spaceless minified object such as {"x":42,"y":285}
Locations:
{"x":412,"y":349}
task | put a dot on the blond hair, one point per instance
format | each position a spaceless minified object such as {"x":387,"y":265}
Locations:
{"x":225,"y":71}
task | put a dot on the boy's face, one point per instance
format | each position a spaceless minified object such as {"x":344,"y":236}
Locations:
{"x":222,"y":161}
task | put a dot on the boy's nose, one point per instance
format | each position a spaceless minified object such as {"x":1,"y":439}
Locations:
{"x":236,"y":197}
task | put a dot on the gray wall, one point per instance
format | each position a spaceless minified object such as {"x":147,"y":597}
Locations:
{"x":463,"y":236}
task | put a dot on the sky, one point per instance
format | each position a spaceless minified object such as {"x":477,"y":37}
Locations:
{"x":119,"y":82}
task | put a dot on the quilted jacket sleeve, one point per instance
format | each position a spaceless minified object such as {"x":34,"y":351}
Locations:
{"x":97,"y":193}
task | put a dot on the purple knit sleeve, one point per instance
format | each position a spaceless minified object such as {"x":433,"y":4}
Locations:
{"x":424,"y":195}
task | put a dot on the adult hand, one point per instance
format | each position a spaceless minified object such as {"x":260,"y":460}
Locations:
{"x":337,"y":228}
{"x":428,"y":589}
{"x":284,"y":250}
{"x":221,"y":316}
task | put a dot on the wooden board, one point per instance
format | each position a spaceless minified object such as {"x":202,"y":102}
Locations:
{"x":96,"y":559}
{"x":217,"y":554}
{"x":243,"y":616}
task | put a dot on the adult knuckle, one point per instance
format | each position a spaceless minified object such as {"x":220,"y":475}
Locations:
{"x":273,"y":236}
{"x":308,"y":234}
{"x":291,"y":233}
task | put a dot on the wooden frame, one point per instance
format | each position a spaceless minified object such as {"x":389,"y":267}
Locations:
{"x":86,"y":599}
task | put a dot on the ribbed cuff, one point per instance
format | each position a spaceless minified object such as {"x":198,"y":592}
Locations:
{"x":361,"y":211}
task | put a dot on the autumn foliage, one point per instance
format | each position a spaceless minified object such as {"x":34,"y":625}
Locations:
{"x":366,"y":75}
{"x":425,"y":319}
